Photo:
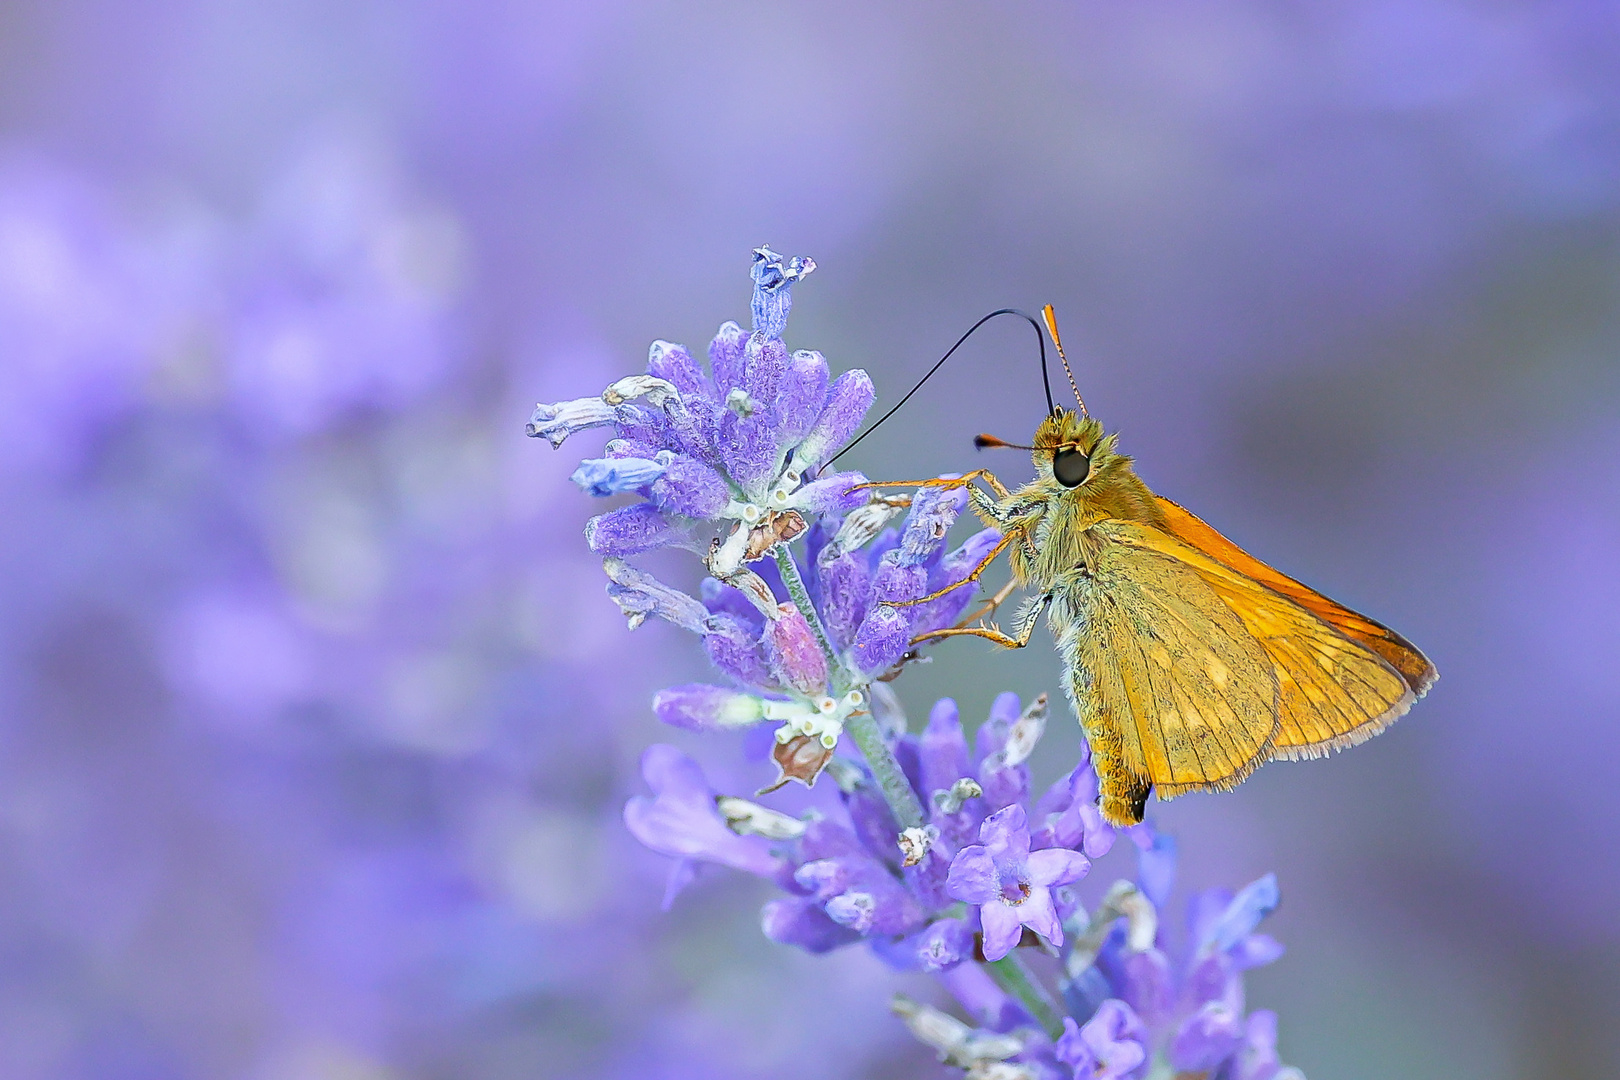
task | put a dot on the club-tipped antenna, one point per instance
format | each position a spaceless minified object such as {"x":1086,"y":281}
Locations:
{"x":1051,"y":327}
{"x":1046,"y":379}
{"x":990,"y":442}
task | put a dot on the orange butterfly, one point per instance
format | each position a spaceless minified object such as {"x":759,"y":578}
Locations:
{"x":1189,"y":662}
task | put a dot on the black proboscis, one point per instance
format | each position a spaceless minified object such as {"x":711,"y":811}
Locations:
{"x":1046,"y":379}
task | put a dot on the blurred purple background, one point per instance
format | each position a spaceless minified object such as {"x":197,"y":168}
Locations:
{"x":314,"y":720}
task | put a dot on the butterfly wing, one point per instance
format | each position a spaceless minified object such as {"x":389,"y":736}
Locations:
{"x":1401,"y":654}
{"x":1172,"y":690}
{"x":1342,"y":678}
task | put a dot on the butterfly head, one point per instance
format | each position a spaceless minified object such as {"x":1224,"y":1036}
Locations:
{"x":1071,"y":451}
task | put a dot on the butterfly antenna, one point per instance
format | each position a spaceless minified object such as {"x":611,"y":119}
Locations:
{"x":1046,"y":379}
{"x":1051,"y":327}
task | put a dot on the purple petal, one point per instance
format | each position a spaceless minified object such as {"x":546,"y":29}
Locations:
{"x":671,"y":362}
{"x":1207,"y":1039}
{"x":602,"y":477}
{"x":835,"y":494}
{"x":848,"y":399}
{"x":945,"y":944}
{"x":639,"y":594}
{"x":943,"y":748}
{"x":1256,"y":950}
{"x":801,"y":395}
{"x":933,"y":511}
{"x":766,"y":361}
{"x":1002,"y":929}
{"x":773,"y":289}
{"x":629,"y":530}
{"x":1057,"y":866}
{"x":855,"y":910}
{"x":1005,"y":834}
{"x":700,"y":707}
{"x":973,"y":877}
{"x":1038,"y":913}
{"x":793,"y":653}
{"x":845,"y":585}
{"x":1148,"y":987}
{"x":681,"y":819}
{"x":726,"y":357}
{"x":554,"y":423}
{"x":893,"y":582}
{"x":882,"y":640}
{"x":1257,"y":900}
{"x":691,"y":489}
{"x":800,"y":921}
{"x":748,"y":447}
{"x":734,"y":648}
{"x":682,"y":872}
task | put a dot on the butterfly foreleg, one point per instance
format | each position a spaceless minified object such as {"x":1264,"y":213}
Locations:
{"x":965,"y":480}
{"x":989,"y":606}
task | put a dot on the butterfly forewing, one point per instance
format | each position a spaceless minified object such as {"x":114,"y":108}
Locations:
{"x":1333,"y":691}
{"x":1173,"y":692}
{"x":1401,"y":654}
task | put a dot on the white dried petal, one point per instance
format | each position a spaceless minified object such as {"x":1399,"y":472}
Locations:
{"x":863,"y":524}
{"x":658,"y":392}
{"x":916,"y":842}
{"x":751,"y":819}
{"x":949,"y":802}
{"x":1025,"y":733}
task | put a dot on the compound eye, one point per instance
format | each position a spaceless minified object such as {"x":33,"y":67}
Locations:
{"x":1071,"y":467}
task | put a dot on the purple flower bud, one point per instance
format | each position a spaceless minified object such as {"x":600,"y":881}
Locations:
{"x":933,"y":512}
{"x":671,"y":362}
{"x":949,"y":570}
{"x":1146,"y":984}
{"x":736,"y":650}
{"x":800,"y":396}
{"x":874,"y":822}
{"x":800,"y":921}
{"x":766,"y":361}
{"x":700,"y":707}
{"x":681,"y":820}
{"x":630,"y":448}
{"x":718,"y":596}
{"x":554,"y":423}
{"x":893,"y":582}
{"x":691,"y":489}
{"x":1257,"y":1058}
{"x":726,"y":357}
{"x":602,"y":477}
{"x":639,"y":594}
{"x":848,"y":399}
{"x":1257,"y":900}
{"x":793,"y":653}
{"x":943,"y":748}
{"x":845,"y":585}
{"x":856,"y":910}
{"x":945,"y":944}
{"x":835,"y":494}
{"x":1155,"y":863}
{"x":882,"y":640}
{"x":1207,"y":1038}
{"x":643,"y":424}
{"x":748,"y":449}
{"x":773,"y":289}
{"x":629,"y":530}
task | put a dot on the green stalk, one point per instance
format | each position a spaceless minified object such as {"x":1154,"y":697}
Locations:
{"x":801,"y":600}
{"x":1012,"y":976}
{"x":862,"y":727}
{"x":908,"y":811}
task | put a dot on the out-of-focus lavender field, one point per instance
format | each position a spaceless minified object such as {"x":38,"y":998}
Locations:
{"x":315,"y":723}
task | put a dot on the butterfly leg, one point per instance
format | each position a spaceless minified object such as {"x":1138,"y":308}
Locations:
{"x":1024,"y":628}
{"x":989,"y":606}
{"x":942,"y":482}
{"x":973,"y":575}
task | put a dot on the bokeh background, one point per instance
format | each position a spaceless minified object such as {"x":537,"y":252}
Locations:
{"x":314,"y":720}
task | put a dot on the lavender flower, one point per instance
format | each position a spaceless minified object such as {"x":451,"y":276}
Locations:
{"x":937,"y":858}
{"x":1011,"y":887}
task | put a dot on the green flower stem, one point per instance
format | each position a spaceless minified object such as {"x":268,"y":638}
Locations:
{"x":908,"y":811}
{"x":801,"y":600}
{"x":862,"y":727}
{"x":1012,"y":976}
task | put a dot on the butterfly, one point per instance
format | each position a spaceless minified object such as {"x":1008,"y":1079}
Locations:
{"x":1188,"y":661}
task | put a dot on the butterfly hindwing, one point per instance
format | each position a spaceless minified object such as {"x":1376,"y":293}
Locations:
{"x":1171,"y":689}
{"x":1335,"y":689}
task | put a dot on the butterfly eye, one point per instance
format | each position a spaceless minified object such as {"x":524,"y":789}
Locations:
{"x":1071,"y":467}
